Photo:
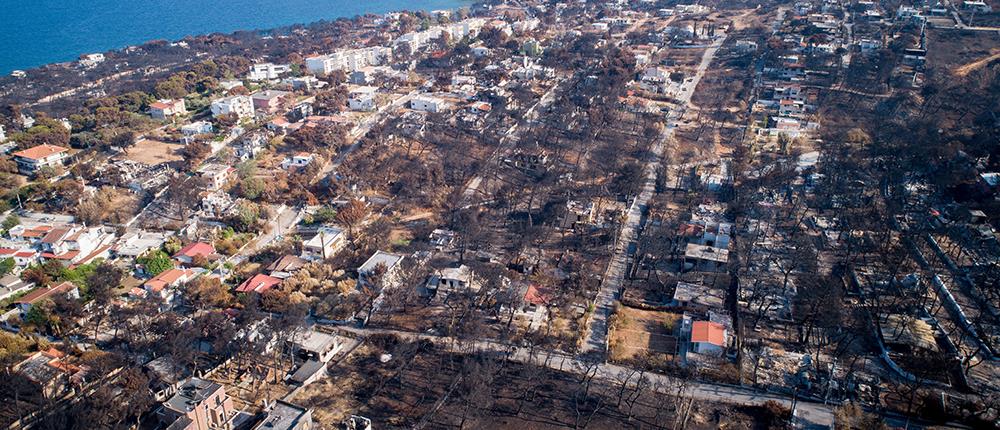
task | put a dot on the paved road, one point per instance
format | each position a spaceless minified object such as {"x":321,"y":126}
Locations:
{"x":809,"y":414}
{"x":284,"y":220}
{"x":614,"y":277}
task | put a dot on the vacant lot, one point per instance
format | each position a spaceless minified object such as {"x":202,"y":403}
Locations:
{"x":637,"y":332}
{"x":960,"y":51}
{"x":153,"y":152}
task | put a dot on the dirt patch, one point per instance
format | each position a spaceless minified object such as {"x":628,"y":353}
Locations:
{"x":637,"y":332}
{"x":952,"y":50}
{"x":153,"y":152}
{"x":978,"y":64}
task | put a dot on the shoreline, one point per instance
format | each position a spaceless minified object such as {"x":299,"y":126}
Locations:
{"x":264,"y":30}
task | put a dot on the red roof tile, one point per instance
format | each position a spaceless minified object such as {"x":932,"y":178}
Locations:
{"x":710,"y":332}
{"x":165,"y":279}
{"x":44,"y":292}
{"x":196,"y":248}
{"x":40,"y":151}
{"x":535,"y":296}
{"x":259,"y":283}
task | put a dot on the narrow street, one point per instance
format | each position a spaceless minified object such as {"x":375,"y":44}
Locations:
{"x":809,"y":414}
{"x":614,"y":277}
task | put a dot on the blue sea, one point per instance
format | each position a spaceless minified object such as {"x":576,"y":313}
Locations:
{"x":38,"y":32}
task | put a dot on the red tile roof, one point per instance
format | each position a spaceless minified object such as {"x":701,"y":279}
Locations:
{"x":196,"y":248}
{"x":89,"y":257}
{"x":44,"y":292}
{"x":535,"y":296}
{"x":259,"y":283}
{"x":68,"y":255}
{"x":40,"y":151}
{"x":710,"y":332}
{"x":165,"y":279}
{"x":38,"y":231}
{"x":55,"y":235}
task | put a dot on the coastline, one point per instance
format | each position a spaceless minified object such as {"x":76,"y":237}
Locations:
{"x":61,"y":48}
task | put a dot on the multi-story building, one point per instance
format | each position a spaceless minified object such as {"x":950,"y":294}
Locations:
{"x":30,"y":160}
{"x":350,"y":60}
{"x":164,"y":109}
{"x":241,"y":106}
{"x":327,"y":241}
{"x":362,"y":99}
{"x":269,"y":100}
{"x":198,"y":405}
{"x":267,"y":71}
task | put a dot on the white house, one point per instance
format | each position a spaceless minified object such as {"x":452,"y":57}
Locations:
{"x":77,"y":244}
{"x":708,"y":338}
{"x":267,"y":71}
{"x":428,"y":104}
{"x":327,"y":241}
{"x":298,"y":160}
{"x":241,"y":106}
{"x":348,"y":60}
{"x":25,"y":303}
{"x":11,"y":285}
{"x":164,"y":109}
{"x":480,"y":51}
{"x":977,"y":6}
{"x":37,"y":157}
{"x":196,"y":128}
{"x":91,"y":60}
{"x":22,"y":257}
{"x":216,"y":175}
{"x":380,"y":258}
{"x":362,"y":99}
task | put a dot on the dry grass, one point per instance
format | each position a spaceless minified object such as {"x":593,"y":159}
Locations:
{"x":977,"y":64}
{"x":953,"y":50}
{"x":637,"y":331}
{"x":153,"y":152}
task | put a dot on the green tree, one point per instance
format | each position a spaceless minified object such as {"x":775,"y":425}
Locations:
{"x":173,"y":88}
{"x":172,"y":245}
{"x":6,"y":265}
{"x":155,"y":262}
{"x":40,"y":314}
{"x":250,"y":188}
{"x":10,"y":222}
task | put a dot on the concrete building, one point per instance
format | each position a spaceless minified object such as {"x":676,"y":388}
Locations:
{"x":348,"y":60}
{"x":30,"y":160}
{"x":362,"y":99}
{"x":216,"y":175}
{"x":298,"y":161}
{"x":428,"y":104}
{"x":708,"y":338}
{"x":381,"y":258}
{"x":268,"y":100}
{"x":282,"y":415}
{"x":267,"y":71}
{"x":51,"y":370}
{"x":164,"y":109}
{"x":198,"y":405}
{"x":327,"y":241}
{"x":196,"y":128}
{"x":241,"y":106}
